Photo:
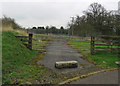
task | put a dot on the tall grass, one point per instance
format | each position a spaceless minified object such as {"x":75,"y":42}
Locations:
{"x":9,"y":22}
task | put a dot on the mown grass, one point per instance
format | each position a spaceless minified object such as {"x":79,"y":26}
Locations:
{"x":15,"y":55}
{"x":108,"y":58}
{"x":82,"y":45}
{"x":100,"y":58}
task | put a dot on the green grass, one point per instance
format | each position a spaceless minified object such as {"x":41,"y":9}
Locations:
{"x":82,"y":45}
{"x":14,"y":52}
{"x":27,"y":73}
{"x":103,"y":46}
{"x":109,"y":59}
{"x":14,"y":58}
{"x":39,"y":41}
{"x":19,"y":63}
{"x":99,"y":57}
{"x":39,"y":44}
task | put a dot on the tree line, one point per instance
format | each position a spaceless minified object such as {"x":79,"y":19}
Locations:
{"x":96,"y":20}
{"x":48,"y":30}
{"x":10,"y":22}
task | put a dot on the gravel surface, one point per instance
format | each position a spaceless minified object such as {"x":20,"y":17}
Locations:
{"x":58,"y":50}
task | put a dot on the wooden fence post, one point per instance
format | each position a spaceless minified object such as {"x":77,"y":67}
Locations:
{"x":119,"y":47}
{"x":30,"y":41}
{"x":111,"y":44}
{"x":119,"y":50}
{"x":92,"y":45}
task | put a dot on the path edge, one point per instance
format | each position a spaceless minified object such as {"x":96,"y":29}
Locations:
{"x":86,"y":75}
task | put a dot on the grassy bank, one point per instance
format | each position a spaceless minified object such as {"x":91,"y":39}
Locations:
{"x":20,"y":64}
{"x":101,"y":58}
{"x":14,"y":55}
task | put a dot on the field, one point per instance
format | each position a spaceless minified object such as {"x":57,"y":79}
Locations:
{"x":104,"y":59}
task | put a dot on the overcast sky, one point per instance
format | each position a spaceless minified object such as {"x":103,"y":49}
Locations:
{"x":49,"y":12}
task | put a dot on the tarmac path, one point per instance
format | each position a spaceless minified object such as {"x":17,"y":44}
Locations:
{"x":58,"y":50}
{"x":109,"y":77}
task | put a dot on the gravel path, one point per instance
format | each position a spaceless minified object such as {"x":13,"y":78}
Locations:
{"x":58,"y":50}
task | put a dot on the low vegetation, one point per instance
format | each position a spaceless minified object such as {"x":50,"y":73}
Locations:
{"x":9,"y":22}
{"x":103,"y":59}
{"x":14,"y":55}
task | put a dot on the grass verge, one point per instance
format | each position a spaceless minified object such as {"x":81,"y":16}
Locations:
{"x":19,"y":64}
{"x":103,"y":59}
{"x":14,"y":55}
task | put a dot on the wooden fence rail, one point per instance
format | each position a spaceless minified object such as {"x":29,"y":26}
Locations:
{"x":109,"y":45}
{"x":27,"y":40}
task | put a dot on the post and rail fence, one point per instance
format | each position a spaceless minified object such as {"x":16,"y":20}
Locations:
{"x":99,"y":43}
{"x":33,"y":41}
{"x":105,"y":44}
{"x":27,"y":40}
